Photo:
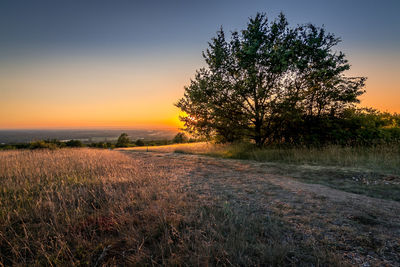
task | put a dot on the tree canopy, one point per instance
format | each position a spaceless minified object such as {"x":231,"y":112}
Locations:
{"x":123,"y":140}
{"x":180,"y":138}
{"x":267,"y":81}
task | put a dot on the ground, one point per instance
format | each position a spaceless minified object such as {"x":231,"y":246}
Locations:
{"x":359,"y":229}
{"x":166,"y":207}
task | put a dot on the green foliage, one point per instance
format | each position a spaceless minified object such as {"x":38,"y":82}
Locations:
{"x":266,"y":81}
{"x":43,"y":144}
{"x":102,"y":145}
{"x":180,"y":138}
{"x":139,"y":142}
{"x":123,"y":140}
{"x":8,"y":147}
{"x":46,"y":144}
{"x":74,"y":143}
{"x":354,"y":127}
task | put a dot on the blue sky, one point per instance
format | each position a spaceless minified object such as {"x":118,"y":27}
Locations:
{"x":115,"y":24}
{"x":125,"y":39}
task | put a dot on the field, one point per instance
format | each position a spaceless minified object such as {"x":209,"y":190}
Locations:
{"x":133,"y":207}
{"x":372,"y":171}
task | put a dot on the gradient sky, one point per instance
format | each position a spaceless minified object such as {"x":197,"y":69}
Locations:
{"x":80,"y":64}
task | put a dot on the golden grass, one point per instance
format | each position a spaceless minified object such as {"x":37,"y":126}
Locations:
{"x":372,"y":171}
{"x":194,"y":148}
{"x":76,"y":206}
{"x":383,"y":157}
{"x":91,"y":207}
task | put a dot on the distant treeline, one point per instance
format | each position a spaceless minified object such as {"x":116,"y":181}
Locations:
{"x":123,"y":141}
{"x":353,"y":127}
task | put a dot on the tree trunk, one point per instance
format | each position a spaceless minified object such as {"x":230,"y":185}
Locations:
{"x":257,"y":134}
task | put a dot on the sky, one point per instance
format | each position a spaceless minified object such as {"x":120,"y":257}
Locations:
{"x":120,"y":63}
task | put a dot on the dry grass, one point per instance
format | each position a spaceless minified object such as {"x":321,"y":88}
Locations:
{"x":383,"y":158}
{"x":84,"y":207}
{"x":257,"y":210}
{"x":372,"y":171}
{"x":104,"y":208}
{"x":192,"y":148}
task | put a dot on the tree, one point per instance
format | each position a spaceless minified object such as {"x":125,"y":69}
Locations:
{"x":139,"y":142}
{"x":123,"y":140}
{"x":267,"y":79}
{"x":180,"y":138}
{"x":74,"y":143}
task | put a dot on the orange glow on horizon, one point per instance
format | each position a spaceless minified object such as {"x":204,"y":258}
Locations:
{"x":383,"y":79}
{"x":68,"y":118}
{"x":91,"y":93}
{"x":96,"y":95}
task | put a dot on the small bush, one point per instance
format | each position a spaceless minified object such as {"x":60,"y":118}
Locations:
{"x":180,"y":138}
{"x":123,"y":140}
{"x":43,"y":145}
{"x":74,"y":143}
{"x":139,"y":142}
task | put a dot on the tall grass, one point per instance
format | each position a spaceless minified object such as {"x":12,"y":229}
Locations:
{"x":92,"y":207}
{"x":83,"y":207}
{"x":372,"y":171}
{"x":383,"y":158}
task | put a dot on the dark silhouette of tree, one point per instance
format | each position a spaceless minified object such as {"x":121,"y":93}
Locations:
{"x":123,"y":140}
{"x":74,"y":143}
{"x":139,"y":142}
{"x":180,"y":138}
{"x":266,"y":80}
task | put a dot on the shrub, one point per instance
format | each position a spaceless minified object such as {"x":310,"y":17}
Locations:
{"x":123,"y":140}
{"x":42,"y":145}
{"x":139,"y":142}
{"x":74,"y":143}
{"x":180,"y":138}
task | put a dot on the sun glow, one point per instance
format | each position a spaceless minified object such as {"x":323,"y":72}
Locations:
{"x":78,"y":94}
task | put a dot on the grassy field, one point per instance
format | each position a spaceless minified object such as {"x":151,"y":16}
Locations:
{"x":372,"y":171}
{"x":383,"y":158}
{"x":105,"y":208}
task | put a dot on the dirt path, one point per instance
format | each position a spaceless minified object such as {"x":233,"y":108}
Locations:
{"x":363,"y":231}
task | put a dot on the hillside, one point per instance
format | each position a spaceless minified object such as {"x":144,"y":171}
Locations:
{"x":101,"y":208}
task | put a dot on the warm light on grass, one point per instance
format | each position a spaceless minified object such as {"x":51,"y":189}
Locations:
{"x":197,"y":148}
{"x":384,"y":158}
{"x":91,"y":207}
{"x":372,"y":171}
{"x":84,"y":206}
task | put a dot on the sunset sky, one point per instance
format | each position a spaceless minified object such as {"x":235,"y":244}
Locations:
{"x":83,"y":64}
